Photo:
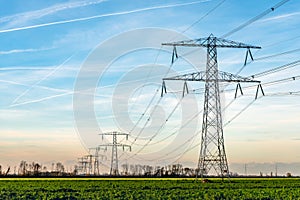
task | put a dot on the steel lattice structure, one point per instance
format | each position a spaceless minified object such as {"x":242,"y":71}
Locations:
{"x":114,"y":169}
{"x":212,"y":150}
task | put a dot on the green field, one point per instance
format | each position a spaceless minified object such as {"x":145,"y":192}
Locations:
{"x":85,"y":188}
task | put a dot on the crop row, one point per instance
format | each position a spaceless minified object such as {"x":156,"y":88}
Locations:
{"x":150,"y":189}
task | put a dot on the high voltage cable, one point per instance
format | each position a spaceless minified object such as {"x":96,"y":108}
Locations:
{"x":296,"y":93}
{"x":266,"y":84}
{"x":271,"y":56}
{"x":276,"y":69}
{"x":201,"y":18}
{"x":240,"y":27}
{"x":293,"y":78}
{"x":234,"y":117}
{"x":255,"y":18}
{"x":272,"y":94}
{"x":243,"y":110}
{"x":228,"y":122}
{"x":274,"y":82}
{"x":146,"y":123}
{"x":295,"y":63}
{"x":235,"y":30}
{"x":282,"y":41}
{"x":157,"y":132}
{"x":176,"y":149}
{"x":176,"y":131}
{"x":238,"y":114}
{"x":210,"y":11}
{"x":199,"y":132}
{"x":190,"y":120}
{"x":140,"y":118}
{"x":279,"y":54}
{"x":169,"y":116}
{"x":148,"y":75}
{"x":260,"y":58}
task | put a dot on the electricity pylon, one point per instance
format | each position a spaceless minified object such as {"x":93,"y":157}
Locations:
{"x":114,"y":170}
{"x":96,"y":160}
{"x":212,"y":150}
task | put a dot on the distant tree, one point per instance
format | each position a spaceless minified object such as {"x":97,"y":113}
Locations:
{"x":60,"y":167}
{"x":75,"y":171}
{"x":23,"y":168}
{"x":36,"y":168}
{"x":125,"y":168}
{"x":288,"y":174}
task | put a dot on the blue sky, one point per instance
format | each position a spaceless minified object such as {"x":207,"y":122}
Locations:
{"x":45,"y":44}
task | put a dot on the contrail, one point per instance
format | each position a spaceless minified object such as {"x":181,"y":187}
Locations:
{"x":42,"y":99}
{"x":23,"y":51}
{"x":25,"y":68}
{"x":38,"y":86}
{"x":68,"y":92}
{"x":36,"y":83}
{"x":37,"y":14}
{"x":101,"y":16}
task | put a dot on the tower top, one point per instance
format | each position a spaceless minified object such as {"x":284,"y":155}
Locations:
{"x":212,"y":41}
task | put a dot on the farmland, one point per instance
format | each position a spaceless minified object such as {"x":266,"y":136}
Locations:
{"x":88,"y":188}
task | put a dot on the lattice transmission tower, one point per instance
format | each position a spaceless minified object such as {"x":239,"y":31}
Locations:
{"x":96,"y":161}
{"x":212,"y":149}
{"x":114,"y":170}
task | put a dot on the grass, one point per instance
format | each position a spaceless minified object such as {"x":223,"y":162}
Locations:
{"x":149,"y":188}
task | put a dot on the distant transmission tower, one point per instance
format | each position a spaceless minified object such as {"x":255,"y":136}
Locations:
{"x":212,"y":150}
{"x":96,"y":156}
{"x":114,"y":170}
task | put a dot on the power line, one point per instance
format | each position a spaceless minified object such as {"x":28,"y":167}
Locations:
{"x":293,"y":78}
{"x":271,"y":56}
{"x":234,"y":117}
{"x":158,"y":131}
{"x":175,"y":130}
{"x":201,"y":18}
{"x":249,"y":22}
{"x":176,"y":149}
{"x":148,"y":106}
{"x":239,"y":113}
{"x":296,"y":93}
{"x":279,"y":54}
{"x":269,"y":10}
{"x":277,"y":69}
{"x":146,"y":123}
{"x":227,"y":123}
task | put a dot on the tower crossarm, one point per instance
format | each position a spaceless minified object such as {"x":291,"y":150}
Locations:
{"x":222,"y":77}
{"x":205,"y":42}
{"x":113,"y":133}
{"x":111,"y":145}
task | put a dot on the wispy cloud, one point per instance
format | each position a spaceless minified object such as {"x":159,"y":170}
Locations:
{"x":22,"y":18}
{"x":41,"y":99}
{"x":280,"y":17}
{"x":22,"y":51}
{"x":101,"y":16}
{"x":45,"y":77}
{"x":38,"y":86}
{"x":25,"y":68}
